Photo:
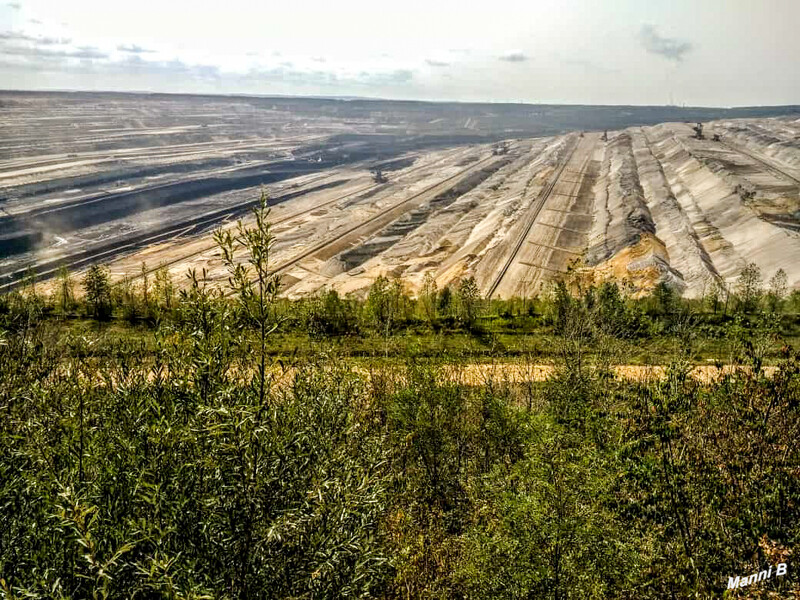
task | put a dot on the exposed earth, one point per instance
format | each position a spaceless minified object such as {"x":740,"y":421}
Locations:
{"x":513,"y":195}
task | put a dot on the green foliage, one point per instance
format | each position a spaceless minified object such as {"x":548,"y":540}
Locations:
{"x":716,"y":297}
{"x":444,"y":438}
{"x":125,"y":298}
{"x":196,"y":459}
{"x":428,"y":298}
{"x":545,"y":531}
{"x":602,"y":311}
{"x":386,"y":306}
{"x":139,"y":486}
{"x":141,"y":470}
{"x":793,"y":301}
{"x":665,"y":299}
{"x":778,"y":288}
{"x":619,"y":317}
{"x":328,"y":314}
{"x":749,"y":288}
{"x":707,"y":461}
{"x":97,"y":289}
{"x":468,"y":301}
{"x":445,"y":301}
{"x":254,"y":286}
{"x":65,"y":294}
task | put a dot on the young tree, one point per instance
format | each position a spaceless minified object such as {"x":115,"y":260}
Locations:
{"x":726,"y":293}
{"x":714,"y":296}
{"x":665,"y":298}
{"x":469,"y":301}
{"x":428,"y":296}
{"x":98,"y":292}
{"x":246,"y":254}
{"x":574,"y":323}
{"x":124,"y":296}
{"x":255,"y":287}
{"x":794,"y":301}
{"x":66,"y":293}
{"x":778,"y":287}
{"x":384,"y":305}
{"x":329,"y":314}
{"x":611,"y":309}
{"x":445,"y":301}
{"x":559,"y":306}
{"x":749,"y":288}
{"x":204,"y":317}
{"x":164,"y":290}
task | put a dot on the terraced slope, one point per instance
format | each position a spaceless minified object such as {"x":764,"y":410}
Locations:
{"x":646,"y":205}
{"x":640,"y":205}
{"x":671,"y":207}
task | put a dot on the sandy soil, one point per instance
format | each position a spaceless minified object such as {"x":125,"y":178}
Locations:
{"x":521,"y":373}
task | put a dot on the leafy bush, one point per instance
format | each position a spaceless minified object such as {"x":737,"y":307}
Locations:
{"x":193,"y":460}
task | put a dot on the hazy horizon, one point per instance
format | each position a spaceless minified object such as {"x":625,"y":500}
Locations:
{"x":718,"y":54}
{"x":144,"y":92}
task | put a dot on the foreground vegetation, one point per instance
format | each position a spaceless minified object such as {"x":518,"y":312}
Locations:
{"x":168,"y":450}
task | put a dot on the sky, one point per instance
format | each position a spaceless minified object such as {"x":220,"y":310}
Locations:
{"x":684,"y":52}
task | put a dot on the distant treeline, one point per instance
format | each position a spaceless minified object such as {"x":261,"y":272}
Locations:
{"x":152,"y":299}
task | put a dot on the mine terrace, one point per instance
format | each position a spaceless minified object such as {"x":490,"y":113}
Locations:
{"x":514,"y":195}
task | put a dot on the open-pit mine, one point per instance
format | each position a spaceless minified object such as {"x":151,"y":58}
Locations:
{"x":516,"y":196}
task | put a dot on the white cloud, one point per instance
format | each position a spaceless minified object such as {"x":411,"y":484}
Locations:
{"x":83,"y":52}
{"x":134,"y":49}
{"x":670,"y":48}
{"x":514,"y":56}
{"x":19,"y":36}
{"x":403,"y":51}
